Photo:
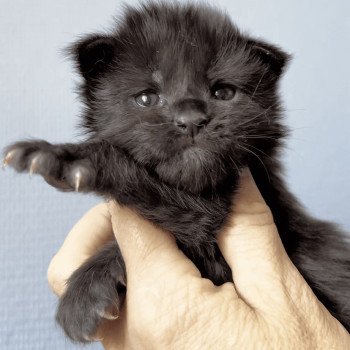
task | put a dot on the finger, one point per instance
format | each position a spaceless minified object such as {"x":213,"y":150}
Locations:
{"x":251,"y":245}
{"x":86,"y":237}
{"x":148,"y":251}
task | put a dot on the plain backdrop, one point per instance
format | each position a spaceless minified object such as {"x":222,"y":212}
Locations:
{"x":37,"y":100}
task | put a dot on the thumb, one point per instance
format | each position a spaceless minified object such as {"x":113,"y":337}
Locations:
{"x":251,"y":245}
{"x":148,"y":251}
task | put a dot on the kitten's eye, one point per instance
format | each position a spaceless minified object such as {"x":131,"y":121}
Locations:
{"x":224,"y":93}
{"x":147,"y":99}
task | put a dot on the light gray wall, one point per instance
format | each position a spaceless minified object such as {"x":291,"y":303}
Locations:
{"x":37,"y":100}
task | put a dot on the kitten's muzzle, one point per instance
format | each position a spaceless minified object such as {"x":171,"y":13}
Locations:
{"x":191,"y":126}
{"x":190,"y":117}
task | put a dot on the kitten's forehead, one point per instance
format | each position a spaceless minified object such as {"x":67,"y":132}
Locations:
{"x":157,"y":77}
{"x":179,"y":71}
{"x":182,"y":48}
{"x":166,"y":37}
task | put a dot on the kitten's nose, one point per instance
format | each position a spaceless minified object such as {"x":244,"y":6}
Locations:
{"x":190,"y":116}
{"x":191,"y":125}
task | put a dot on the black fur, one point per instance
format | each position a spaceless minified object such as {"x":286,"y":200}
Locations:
{"x":183,"y":182}
{"x":96,"y":291}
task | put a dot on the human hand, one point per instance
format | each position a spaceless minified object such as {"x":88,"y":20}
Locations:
{"x":168,"y":305}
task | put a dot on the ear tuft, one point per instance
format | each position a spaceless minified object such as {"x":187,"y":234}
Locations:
{"x":93,"y":55}
{"x":270,"y":55}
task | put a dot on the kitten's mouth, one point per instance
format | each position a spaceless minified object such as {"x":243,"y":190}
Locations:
{"x":193,"y":169}
{"x":191,"y":152}
{"x":192,"y":141}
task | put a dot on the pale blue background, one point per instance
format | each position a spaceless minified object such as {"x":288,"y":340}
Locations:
{"x":37,"y":100}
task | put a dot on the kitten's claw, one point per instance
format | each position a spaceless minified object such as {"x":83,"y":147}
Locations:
{"x":33,"y":165}
{"x":7,"y":159}
{"x":56,"y":164}
{"x":77,"y":180}
{"x":108,"y":316}
{"x":89,"y":339}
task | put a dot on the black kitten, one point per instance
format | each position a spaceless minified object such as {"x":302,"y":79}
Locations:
{"x":178,"y":101}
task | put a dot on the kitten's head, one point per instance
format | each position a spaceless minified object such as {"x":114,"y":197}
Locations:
{"x":182,"y":91}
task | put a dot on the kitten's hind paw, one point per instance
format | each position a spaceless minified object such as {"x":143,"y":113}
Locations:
{"x":59,"y":165}
{"x":95,"y":293}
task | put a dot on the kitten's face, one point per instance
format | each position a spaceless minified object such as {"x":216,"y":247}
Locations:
{"x":183,"y":93}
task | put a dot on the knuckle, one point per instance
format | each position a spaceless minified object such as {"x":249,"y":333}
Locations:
{"x":164,"y":316}
{"x":256,"y":214}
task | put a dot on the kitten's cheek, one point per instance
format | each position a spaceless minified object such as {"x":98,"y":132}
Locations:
{"x":242,"y":99}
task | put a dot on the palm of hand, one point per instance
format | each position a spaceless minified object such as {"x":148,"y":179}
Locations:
{"x":169,"y":306}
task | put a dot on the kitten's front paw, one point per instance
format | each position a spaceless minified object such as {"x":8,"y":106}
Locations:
{"x":58,"y":167}
{"x":95,"y":293}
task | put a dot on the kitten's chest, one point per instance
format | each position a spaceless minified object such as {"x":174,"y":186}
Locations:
{"x":194,"y":220}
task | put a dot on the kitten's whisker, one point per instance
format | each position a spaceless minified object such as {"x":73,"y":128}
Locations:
{"x":255,"y":90}
{"x":260,"y":137}
{"x":210,"y":133}
{"x":295,"y":109}
{"x":235,"y":164}
{"x":301,"y":128}
{"x":259,"y":150}
{"x":258,"y":115}
{"x":157,"y":124}
{"x":258,"y":84}
{"x":260,"y":160}
{"x":140,"y":120}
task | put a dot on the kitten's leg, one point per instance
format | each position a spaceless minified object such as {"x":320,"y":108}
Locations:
{"x":65,"y":166}
{"x":95,"y":292}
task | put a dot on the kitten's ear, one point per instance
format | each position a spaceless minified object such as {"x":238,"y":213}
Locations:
{"x":270,"y":55}
{"x":93,"y":55}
